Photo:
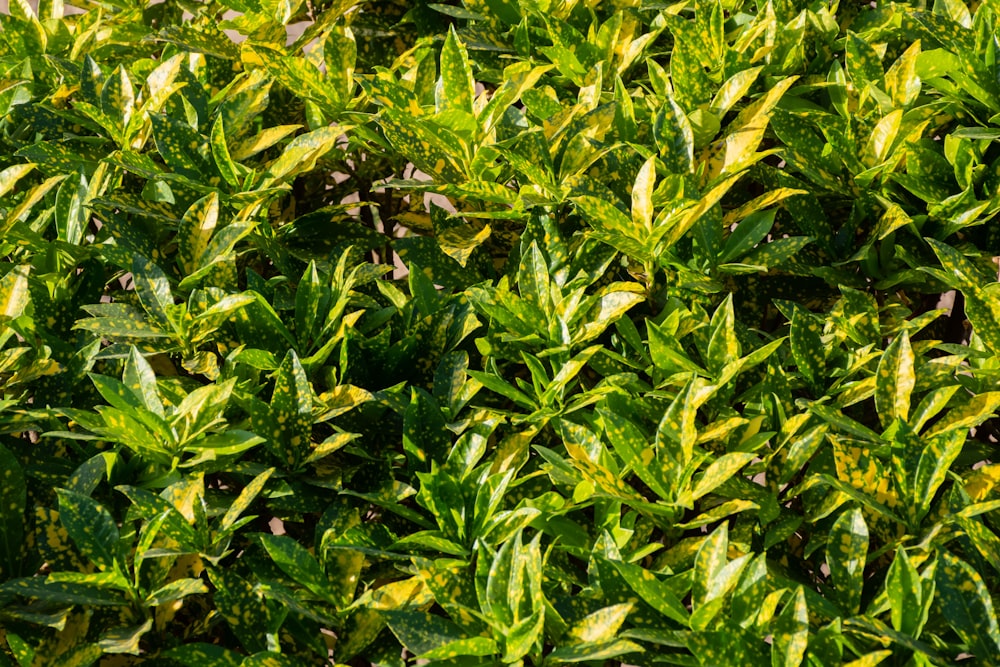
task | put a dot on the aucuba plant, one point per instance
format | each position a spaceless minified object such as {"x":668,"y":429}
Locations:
{"x":499,"y":332}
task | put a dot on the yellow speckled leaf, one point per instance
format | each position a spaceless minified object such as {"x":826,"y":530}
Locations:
{"x":846,"y":555}
{"x":807,"y":345}
{"x":195,"y":230}
{"x":423,"y":146}
{"x":896,"y":379}
{"x":967,"y":606}
{"x":13,"y":504}
{"x":455,"y":86}
{"x":14,"y":293}
{"x":738,"y":149}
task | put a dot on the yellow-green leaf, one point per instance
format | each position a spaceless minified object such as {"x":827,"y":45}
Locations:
{"x":895,"y":382}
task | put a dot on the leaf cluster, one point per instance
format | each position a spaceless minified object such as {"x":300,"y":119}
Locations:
{"x":491,"y":332}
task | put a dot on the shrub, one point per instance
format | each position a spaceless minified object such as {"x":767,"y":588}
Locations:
{"x":499,"y":332}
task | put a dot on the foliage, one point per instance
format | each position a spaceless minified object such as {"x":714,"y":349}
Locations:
{"x":491,"y":332}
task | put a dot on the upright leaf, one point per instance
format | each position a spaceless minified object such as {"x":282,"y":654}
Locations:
{"x":291,"y":409}
{"x":141,"y":380}
{"x":791,"y":631}
{"x":153,"y":289}
{"x":895,"y":381}
{"x":71,"y":215}
{"x":905,"y":592}
{"x":425,"y":437}
{"x":846,"y":556}
{"x":455,"y":87}
{"x":807,"y":346}
{"x":13,"y":504}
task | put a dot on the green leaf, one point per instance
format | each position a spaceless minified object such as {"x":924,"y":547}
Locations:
{"x":748,"y":233}
{"x":128,"y":327}
{"x":473,"y":646}
{"x":118,"y":99}
{"x":519,"y":80}
{"x":297,"y":563}
{"x":714,"y":577}
{"x":425,"y":437}
{"x":204,"y":655}
{"x":220,"y":153}
{"x":269,"y":659}
{"x":807,"y":346}
{"x":607,"y":310}
{"x":150,"y":506}
{"x":959,"y":272}
{"x":178,"y":589}
{"x":455,"y":87}
{"x":776,"y":252}
{"x":738,"y":149}
{"x":153,"y":289}
{"x":533,"y":278}
{"x":92,"y":527}
{"x":141,"y":380}
{"x":598,"y":651}
{"x":652,"y":591}
{"x":966,"y":606}
{"x":423,"y":145}
{"x":631,"y":445}
{"x":666,"y":350}
{"x":846,"y":556}
{"x":972,"y":412}
{"x":613,"y":226}
{"x":642,"y":195}
{"x":13,"y":504}
{"x":14,"y":293}
{"x":905,"y":592}
{"x":300,"y":155}
{"x":729,"y":647}
{"x":304,"y":76}
{"x":723,"y":346}
{"x":70,"y":212}
{"x":261,"y":141}
{"x":720,"y":471}
{"x":244,"y":500}
{"x":181,"y":148}
{"x":309,"y":296}
{"x":421,"y":632}
{"x":901,"y":81}
{"x":801,"y":450}
{"x":674,"y":137}
{"x":734,"y":89}
{"x":427,"y":255}
{"x":10,"y":176}
{"x":895,"y":381}
{"x":863,"y":64}
{"x":291,"y":409}
{"x":243,"y":609}
{"x":936,"y":458}
{"x":600,"y":626}
{"x":791,"y":631}
{"x":61,"y":592}
{"x":202,"y":37}
{"x":982,"y":307}
{"x":882,"y":139}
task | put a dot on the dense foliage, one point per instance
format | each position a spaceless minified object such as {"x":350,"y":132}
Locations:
{"x":499,"y":332}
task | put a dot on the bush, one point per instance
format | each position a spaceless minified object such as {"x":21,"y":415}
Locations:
{"x":503,"y":332}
